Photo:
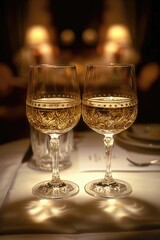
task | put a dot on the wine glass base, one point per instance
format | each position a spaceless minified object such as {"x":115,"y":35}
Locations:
{"x":99,"y":188}
{"x":47,"y":189}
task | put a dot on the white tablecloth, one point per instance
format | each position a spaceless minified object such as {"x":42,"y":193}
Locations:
{"x":22,"y":216}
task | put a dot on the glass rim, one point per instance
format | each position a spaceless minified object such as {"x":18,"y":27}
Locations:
{"x":54,"y":66}
{"x":111,"y":65}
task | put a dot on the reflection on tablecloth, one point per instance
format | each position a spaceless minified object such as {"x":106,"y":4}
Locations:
{"x":81,"y":217}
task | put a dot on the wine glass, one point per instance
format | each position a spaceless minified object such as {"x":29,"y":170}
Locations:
{"x":53,"y":106}
{"x":109,"y":106}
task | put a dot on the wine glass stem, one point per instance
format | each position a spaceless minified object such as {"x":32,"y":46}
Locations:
{"x":54,"y":151}
{"x":108,"y":143}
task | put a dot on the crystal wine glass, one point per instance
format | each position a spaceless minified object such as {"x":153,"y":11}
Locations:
{"x":53,"y":106}
{"x":109,"y":106}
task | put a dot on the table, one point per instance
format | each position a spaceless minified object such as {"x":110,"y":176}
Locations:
{"x":22,"y":216}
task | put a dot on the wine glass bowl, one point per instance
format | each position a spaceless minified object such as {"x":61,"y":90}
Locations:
{"x":53,"y":106}
{"x":109,"y":106}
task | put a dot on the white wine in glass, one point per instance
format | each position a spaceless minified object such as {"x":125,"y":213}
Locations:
{"x":53,"y":106}
{"x":109,"y":106}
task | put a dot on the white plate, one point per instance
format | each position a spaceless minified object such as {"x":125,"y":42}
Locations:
{"x":147,"y":132}
{"x":125,"y":139}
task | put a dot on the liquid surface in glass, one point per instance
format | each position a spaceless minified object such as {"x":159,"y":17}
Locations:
{"x":53,"y":115}
{"x":109,"y":115}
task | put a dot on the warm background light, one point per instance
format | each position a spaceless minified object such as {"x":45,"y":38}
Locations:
{"x":67,"y":36}
{"x":36,"y":35}
{"x":118,"y":33}
{"x":89,"y":36}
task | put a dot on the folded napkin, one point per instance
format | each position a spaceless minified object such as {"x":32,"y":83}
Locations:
{"x":11,"y":155}
{"x":91,"y":155}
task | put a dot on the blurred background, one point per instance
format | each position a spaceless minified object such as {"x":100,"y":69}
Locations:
{"x":76,"y":32}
